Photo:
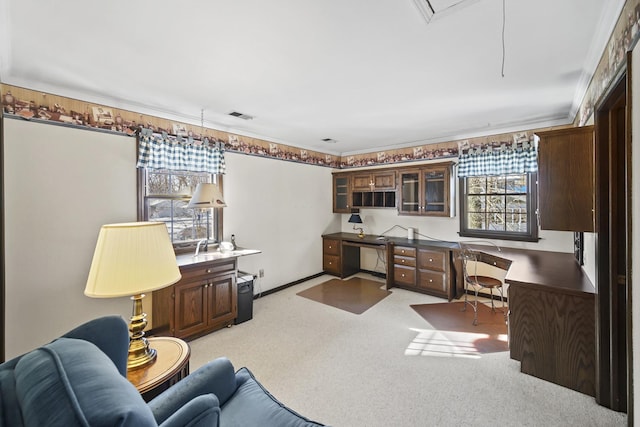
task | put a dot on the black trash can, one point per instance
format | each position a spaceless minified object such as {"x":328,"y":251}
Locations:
{"x":245,"y":297}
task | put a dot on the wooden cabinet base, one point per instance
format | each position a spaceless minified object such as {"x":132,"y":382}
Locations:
{"x":552,"y":334}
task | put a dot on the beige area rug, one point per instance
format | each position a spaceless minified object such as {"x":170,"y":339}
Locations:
{"x":453,"y":333}
{"x":355,"y":295}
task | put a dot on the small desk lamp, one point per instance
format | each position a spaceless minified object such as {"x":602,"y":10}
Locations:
{"x":207,"y":195}
{"x":355,"y":219}
{"x":131,"y":259}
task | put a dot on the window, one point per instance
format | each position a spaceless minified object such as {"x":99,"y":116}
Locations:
{"x":164,"y":195}
{"x":499,"y":207}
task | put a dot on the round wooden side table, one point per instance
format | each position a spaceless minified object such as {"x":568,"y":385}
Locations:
{"x":171,"y":365}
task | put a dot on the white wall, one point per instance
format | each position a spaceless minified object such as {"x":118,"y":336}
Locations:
{"x":281,"y":208}
{"x":60,"y":186}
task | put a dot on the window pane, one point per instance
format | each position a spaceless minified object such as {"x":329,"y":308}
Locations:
{"x":476,"y":203}
{"x":477,"y":221}
{"x":516,"y":184}
{"x":476,"y":185}
{"x":495,"y":222}
{"x":167,"y":195}
{"x":517,"y":203}
{"x":495,"y":184}
{"x":517,"y":222}
{"x":495,"y":204}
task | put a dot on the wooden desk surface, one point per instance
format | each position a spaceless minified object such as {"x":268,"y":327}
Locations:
{"x":556,"y":270}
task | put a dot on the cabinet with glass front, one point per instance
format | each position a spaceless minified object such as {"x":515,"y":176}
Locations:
{"x":426,"y":191}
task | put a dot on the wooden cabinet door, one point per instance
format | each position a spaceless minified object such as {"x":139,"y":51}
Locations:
{"x":190,"y":308}
{"x":222,"y":300}
{"x":362,"y":182}
{"x":566,"y":186}
{"x":435,"y":191}
{"x":384,"y":180}
{"x":409,"y":192}
{"x":341,"y":193}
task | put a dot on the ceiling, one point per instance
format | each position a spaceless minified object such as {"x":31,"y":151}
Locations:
{"x":370,"y":75}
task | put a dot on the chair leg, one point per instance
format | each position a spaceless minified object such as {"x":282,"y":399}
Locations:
{"x":464,"y":306}
{"x":475,"y":309}
{"x":493,"y":307}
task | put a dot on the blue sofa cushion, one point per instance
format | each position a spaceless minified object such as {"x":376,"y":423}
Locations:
{"x":253,"y":405}
{"x":70,"y":382}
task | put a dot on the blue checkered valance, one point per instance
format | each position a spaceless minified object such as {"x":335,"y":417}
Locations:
{"x":485,"y":161}
{"x":163,"y":152}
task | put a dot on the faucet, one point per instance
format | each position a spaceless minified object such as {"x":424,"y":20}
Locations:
{"x":206,"y":246}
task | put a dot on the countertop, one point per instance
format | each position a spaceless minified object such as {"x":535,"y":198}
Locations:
{"x":189,"y":259}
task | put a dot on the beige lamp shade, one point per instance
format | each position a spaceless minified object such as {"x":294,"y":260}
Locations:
{"x":130,"y":259}
{"x":207,"y":195}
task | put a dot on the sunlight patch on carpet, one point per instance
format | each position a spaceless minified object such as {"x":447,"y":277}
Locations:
{"x":430,"y":342}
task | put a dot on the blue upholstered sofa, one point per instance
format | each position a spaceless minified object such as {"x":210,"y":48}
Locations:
{"x":80,"y":380}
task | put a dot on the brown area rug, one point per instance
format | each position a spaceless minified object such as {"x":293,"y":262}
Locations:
{"x":355,"y":295}
{"x":453,"y":333}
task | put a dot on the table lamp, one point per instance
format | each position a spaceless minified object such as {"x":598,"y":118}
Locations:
{"x":129,"y":260}
{"x":355,"y":219}
{"x":207,"y":195}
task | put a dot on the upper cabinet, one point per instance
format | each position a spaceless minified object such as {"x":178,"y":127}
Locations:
{"x":426,"y":190}
{"x":423,"y":190}
{"x":566,"y":179}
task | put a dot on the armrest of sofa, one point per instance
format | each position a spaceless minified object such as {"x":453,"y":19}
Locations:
{"x":200,"y":411}
{"x":216,"y":377}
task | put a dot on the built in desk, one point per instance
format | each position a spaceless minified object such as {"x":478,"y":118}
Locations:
{"x":551,"y":317}
{"x":419,"y":265}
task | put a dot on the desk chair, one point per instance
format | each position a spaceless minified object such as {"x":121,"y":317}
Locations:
{"x":483,"y":271}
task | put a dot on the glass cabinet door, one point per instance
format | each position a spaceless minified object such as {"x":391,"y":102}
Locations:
{"x":409,"y":193}
{"x":434,"y":191}
{"x":341,"y":202}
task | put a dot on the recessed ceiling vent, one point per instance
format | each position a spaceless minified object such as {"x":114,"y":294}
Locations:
{"x":329,"y":140}
{"x":241,"y":115}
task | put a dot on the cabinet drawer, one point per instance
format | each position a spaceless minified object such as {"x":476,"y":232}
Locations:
{"x":403,"y":260}
{"x":404,"y":275}
{"x":404,"y":251}
{"x":331,"y":263}
{"x":432,"y":280}
{"x":330,"y":247}
{"x":431,"y":260}
{"x":208,"y":269}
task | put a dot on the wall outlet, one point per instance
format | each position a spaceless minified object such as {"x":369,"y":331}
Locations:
{"x":261,"y":272}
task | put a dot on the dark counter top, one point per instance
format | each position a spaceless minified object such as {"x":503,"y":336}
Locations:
{"x":557,"y":270}
{"x":398,"y":241}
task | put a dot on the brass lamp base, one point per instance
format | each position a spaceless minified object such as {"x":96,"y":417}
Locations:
{"x":361,"y":234}
{"x":140,"y":354}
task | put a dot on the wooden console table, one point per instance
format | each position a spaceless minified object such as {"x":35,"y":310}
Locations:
{"x":551,"y":317}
